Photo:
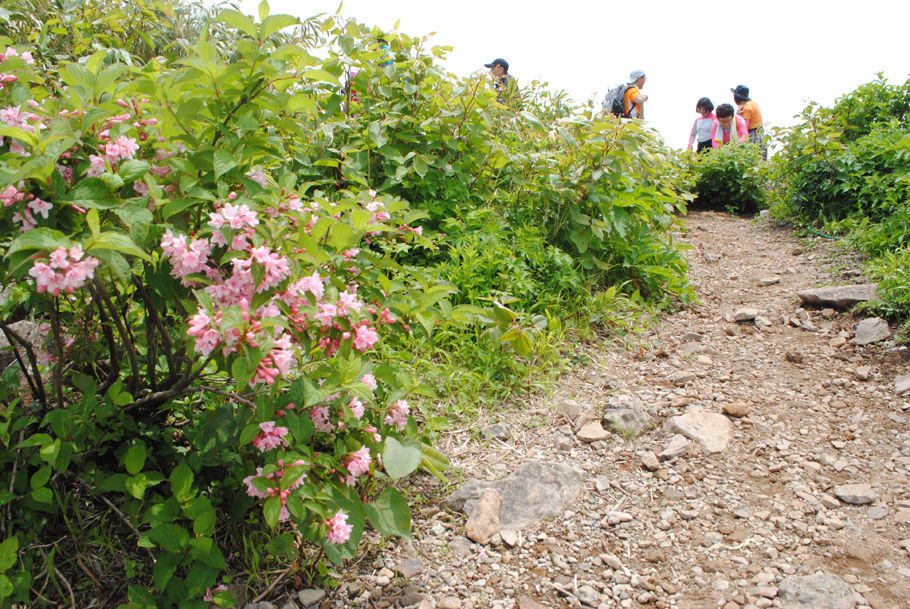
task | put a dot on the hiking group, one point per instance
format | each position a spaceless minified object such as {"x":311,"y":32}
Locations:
{"x":716,"y":128}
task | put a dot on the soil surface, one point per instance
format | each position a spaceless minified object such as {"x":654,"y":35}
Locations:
{"x":695,"y":531}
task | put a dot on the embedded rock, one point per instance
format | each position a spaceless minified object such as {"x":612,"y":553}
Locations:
{"x":870,"y":331}
{"x":535,"y":491}
{"x":712,"y":431}
{"x":841,"y":297}
{"x":817,"y":591}
{"x":483,"y":521}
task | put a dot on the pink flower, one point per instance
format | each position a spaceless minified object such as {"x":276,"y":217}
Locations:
{"x":185,"y":259}
{"x":141,"y":188}
{"x":369,"y":380}
{"x":339,"y":531}
{"x":235,"y":216}
{"x":320,"y":417}
{"x":67,"y":271}
{"x":10,"y":195}
{"x":96,"y":166}
{"x":364,"y":337}
{"x":398,"y":414}
{"x":271,"y":437}
{"x":40,"y":207}
{"x":258,"y":176}
{"x":28,"y":58}
{"x":357,"y":463}
{"x":356,"y":407}
{"x":312,"y":284}
{"x":121,"y":148}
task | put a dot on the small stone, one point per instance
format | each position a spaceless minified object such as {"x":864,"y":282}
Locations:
{"x":828,"y":313}
{"x":766,"y":281}
{"x":483,"y":522}
{"x":460,"y":546}
{"x":736,"y":409}
{"x":411,"y":599}
{"x":310,"y":596}
{"x":679,"y":446}
{"x":496,"y":431}
{"x":745,"y":314}
{"x":877,"y":513}
{"x":410,"y":567}
{"x":449,"y":602}
{"x":817,"y":591}
{"x":593,"y":432}
{"x":863,"y":373}
{"x":856,"y":494}
{"x":587,"y":594}
{"x":383,"y":580}
{"x":681,"y":378}
{"x":712,"y":431}
{"x":837,"y":342}
{"x":902,"y":384}
{"x":509,"y":537}
{"x":649,"y":461}
{"x":870,"y":331}
{"x":794,"y":356}
{"x":570,"y":409}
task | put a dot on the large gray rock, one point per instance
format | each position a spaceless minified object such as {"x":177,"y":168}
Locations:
{"x":25,"y":329}
{"x":626,"y":415}
{"x":840,"y":296}
{"x":711,"y":430}
{"x":857,"y":494}
{"x":817,"y":591}
{"x":535,"y":491}
{"x":870,"y":331}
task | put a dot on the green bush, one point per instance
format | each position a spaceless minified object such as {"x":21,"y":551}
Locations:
{"x":729,"y":178}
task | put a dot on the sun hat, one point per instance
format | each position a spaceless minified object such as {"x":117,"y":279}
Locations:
{"x":499,"y":61}
{"x":636,"y":75}
{"x":742,"y":91}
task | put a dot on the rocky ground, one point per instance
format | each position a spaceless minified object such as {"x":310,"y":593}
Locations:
{"x":745,"y":455}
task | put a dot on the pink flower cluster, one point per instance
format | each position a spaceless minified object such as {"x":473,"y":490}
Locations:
{"x":66,"y":271}
{"x":122,"y":148}
{"x":185,"y":258}
{"x":398,"y":414}
{"x":357,"y":463}
{"x":271,"y":436}
{"x":338,"y":529}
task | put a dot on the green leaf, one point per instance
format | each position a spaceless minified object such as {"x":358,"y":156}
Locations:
{"x":182,"y":482}
{"x":238,"y":20}
{"x":263,"y":10}
{"x":272,"y":24}
{"x":43,"y":495}
{"x":170,"y":537}
{"x":400,"y":460}
{"x":40,"y":238}
{"x":165,"y":567}
{"x":223,"y":162}
{"x":321,"y":76}
{"x":270,"y":510}
{"x":134,"y":459}
{"x":132,"y":169}
{"x":91,"y":218}
{"x":8,"y":553}
{"x":136,"y":485}
{"x":201,"y":512}
{"x":91,"y":192}
{"x":118,"y":242}
{"x":390,"y":514}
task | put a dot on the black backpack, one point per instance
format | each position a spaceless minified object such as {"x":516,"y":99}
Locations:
{"x":614,"y":101}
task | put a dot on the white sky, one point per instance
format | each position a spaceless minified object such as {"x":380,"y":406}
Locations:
{"x":786,"y":52}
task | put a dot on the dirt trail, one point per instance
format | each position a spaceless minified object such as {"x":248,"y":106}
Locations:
{"x":701,"y":531}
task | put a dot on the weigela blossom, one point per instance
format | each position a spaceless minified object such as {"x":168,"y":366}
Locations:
{"x":339,"y":531}
{"x":66,"y":272}
{"x":369,"y":380}
{"x":234,"y":216}
{"x":122,"y":148}
{"x":398,"y":414}
{"x":185,"y":259}
{"x":356,"y":406}
{"x":96,"y":167}
{"x":271,"y":437}
{"x":357,"y":463}
{"x":364,"y":337}
{"x":256,"y":174}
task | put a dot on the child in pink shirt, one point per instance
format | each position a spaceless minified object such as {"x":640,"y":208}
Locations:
{"x":703,"y":130}
{"x":724,"y":125}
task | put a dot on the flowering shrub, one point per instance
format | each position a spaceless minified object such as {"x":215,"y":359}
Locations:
{"x":210,"y":324}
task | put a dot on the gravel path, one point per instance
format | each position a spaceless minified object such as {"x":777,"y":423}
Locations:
{"x":731,"y":529}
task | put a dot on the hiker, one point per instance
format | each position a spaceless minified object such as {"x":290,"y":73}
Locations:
{"x":499,"y":68}
{"x":703,"y":126}
{"x":633,"y":99}
{"x":728,"y":128}
{"x":750,"y":112}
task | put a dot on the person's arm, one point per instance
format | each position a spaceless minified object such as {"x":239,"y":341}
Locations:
{"x":640,"y":99}
{"x":742,"y":129}
{"x":692,"y":135}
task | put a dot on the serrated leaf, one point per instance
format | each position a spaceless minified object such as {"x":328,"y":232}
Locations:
{"x":389,"y":513}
